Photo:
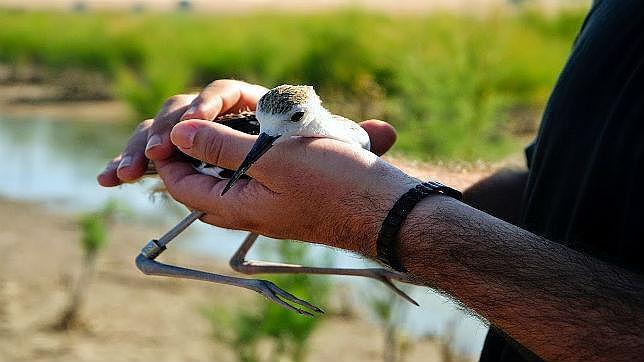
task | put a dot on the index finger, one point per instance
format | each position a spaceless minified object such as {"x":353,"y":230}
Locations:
{"x":223,"y":96}
{"x":158,"y":136}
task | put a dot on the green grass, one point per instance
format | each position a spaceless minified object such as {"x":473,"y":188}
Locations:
{"x":446,"y":82}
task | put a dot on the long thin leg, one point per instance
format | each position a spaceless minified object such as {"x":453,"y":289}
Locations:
{"x":146,"y":262}
{"x":239,"y":263}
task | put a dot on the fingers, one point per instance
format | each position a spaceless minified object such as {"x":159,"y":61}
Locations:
{"x":222,"y":146}
{"x":218,"y":97}
{"x":185,"y":184}
{"x":131,"y":163}
{"x":150,"y":140}
{"x":222,"y":96}
{"x":108,"y":177}
{"x":158,"y":145}
{"x":381,"y":134}
{"x":218,"y":145}
{"x":202,"y":192}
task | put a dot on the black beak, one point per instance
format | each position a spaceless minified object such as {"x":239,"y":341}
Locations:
{"x":264,"y":143}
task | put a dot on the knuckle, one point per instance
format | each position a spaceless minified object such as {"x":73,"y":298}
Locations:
{"x":184,"y":96}
{"x":112,"y":165}
{"x":174,"y":99}
{"x":217,"y":146}
{"x":211,"y":147}
{"x":218,"y":82}
{"x":174,"y":103}
{"x":202,"y":110}
{"x":144,"y":125}
{"x":222,"y":82}
{"x":162,"y":123}
{"x":202,"y":107}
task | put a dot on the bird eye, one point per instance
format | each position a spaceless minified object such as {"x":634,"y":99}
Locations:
{"x":297,"y":116}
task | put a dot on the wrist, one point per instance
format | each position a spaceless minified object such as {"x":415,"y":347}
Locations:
{"x":387,"y":243}
{"x":388,"y":200}
{"x":374,"y":201}
{"x":423,"y":231}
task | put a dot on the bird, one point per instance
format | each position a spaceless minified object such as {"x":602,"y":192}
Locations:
{"x":296,"y":110}
{"x":281,"y":113}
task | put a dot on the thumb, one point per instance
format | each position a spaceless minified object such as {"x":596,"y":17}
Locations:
{"x":217,"y":144}
{"x":381,"y":134}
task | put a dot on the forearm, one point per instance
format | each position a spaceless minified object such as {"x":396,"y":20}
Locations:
{"x":500,"y":194}
{"x":560,"y":303}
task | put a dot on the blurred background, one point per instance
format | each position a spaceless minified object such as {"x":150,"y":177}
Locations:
{"x":463,"y":81}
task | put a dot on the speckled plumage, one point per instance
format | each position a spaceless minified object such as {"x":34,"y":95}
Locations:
{"x":283,"y":98}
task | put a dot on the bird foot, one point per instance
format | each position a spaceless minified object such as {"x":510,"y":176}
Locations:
{"x":273,"y":293}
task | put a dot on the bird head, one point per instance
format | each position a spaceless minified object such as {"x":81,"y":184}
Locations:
{"x":286,"y":110}
{"x":282,"y":112}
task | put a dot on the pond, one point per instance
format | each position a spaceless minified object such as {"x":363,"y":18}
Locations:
{"x":55,"y":162}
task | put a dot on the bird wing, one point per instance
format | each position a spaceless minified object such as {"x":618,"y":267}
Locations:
{"x":357,"y":133}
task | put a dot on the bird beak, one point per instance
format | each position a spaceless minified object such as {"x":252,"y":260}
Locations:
{"x":264,"y":143}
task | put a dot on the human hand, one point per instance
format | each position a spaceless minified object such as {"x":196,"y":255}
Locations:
{"x":151,"y":138}
{"x":316,"y":190}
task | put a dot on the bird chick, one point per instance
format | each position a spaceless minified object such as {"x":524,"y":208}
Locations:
{"x":296,"y":110}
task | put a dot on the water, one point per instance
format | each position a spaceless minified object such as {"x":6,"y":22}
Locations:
{"x":55,"y":163}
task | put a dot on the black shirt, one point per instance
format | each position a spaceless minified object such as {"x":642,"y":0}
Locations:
{"x":586,"y":182}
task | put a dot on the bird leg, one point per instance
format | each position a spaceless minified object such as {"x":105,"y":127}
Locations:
{"x":239,"y":263}
{"x":146,"y":262}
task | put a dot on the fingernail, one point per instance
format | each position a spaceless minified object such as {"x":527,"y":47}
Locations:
{"x":183,"y":135}
{"x":125,"y":162}
{"x":109,"y":167}
{"x":154,"y":141}
{"x":189,"y":113}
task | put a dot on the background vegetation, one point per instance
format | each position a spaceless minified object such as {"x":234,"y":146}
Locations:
{"x":455,"y":86}
{"x":288,"y":333}
{"x":94,"y":227}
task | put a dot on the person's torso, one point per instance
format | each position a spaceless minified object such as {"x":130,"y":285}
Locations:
{"x":586,"y":182}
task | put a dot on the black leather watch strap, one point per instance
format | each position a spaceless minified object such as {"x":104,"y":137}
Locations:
{"x":387,"y":244}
